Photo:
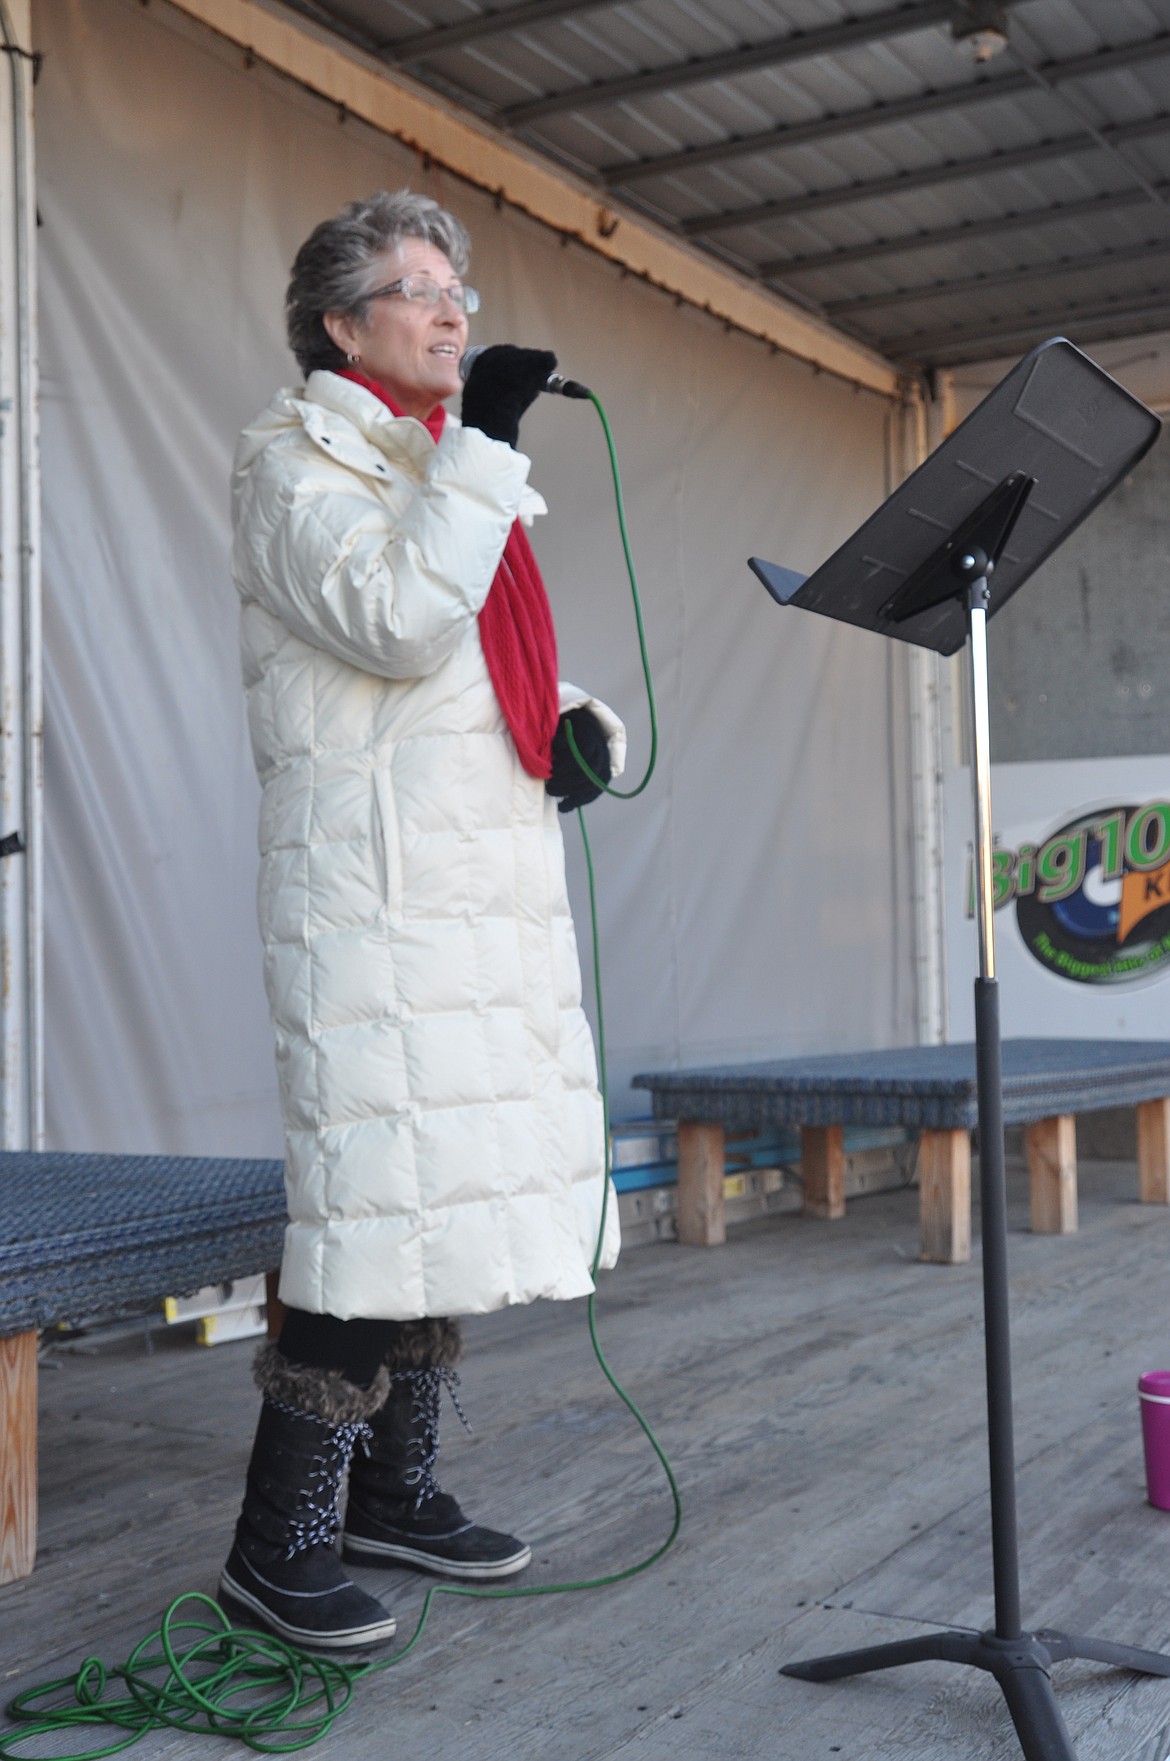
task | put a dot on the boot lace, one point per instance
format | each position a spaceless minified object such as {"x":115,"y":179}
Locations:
{"x":426,"y":1393}
{"x":317,"y":1519}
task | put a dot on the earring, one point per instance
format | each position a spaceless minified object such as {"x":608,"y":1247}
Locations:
{"x":353,"y":360}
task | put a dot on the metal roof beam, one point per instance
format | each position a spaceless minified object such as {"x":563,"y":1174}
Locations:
{"x":425,"y":44}
{"x":1133,"y":325}
{"x":953,"y":171}
{"x":1095,"y":260}
{"x":1022,"y":220}
{"x":825,"y":128}
{"x":750,"y":58}
{"x":1001,"y":334}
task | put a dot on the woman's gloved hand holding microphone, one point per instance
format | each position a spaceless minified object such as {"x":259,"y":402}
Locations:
{"x":502,"y":383}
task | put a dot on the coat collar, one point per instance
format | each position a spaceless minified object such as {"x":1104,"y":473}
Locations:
{"x":354,"y":427}
{"x":332,"y":408}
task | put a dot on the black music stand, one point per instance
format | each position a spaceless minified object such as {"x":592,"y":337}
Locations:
{"x":931,"y":566}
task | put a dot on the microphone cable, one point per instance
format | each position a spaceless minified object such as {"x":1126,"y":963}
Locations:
{"x":197,"y":1672}
{"x":620,"y":794}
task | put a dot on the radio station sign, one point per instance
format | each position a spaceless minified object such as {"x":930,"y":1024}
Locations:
{"x":1091,"y":899}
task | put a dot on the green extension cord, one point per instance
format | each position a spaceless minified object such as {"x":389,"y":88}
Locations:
{"x":199,"y":1673}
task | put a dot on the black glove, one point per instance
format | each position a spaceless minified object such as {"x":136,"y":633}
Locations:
{"x":502,"y":383}
{"x":568,"y":780}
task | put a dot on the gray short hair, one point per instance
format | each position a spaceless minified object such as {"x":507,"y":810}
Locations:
{"x":334,"y":268}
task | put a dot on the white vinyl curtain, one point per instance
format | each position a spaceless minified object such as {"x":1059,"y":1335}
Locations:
{"x":754,"y":901}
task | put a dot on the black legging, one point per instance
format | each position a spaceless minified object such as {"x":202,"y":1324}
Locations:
{"x":355,"y":1349}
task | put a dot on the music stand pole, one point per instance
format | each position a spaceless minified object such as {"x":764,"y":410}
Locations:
{"x":973,"y":567}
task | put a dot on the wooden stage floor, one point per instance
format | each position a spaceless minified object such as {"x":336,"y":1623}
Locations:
{"x":821,"y":1396}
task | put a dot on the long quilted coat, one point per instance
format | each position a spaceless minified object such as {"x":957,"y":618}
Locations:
{"x":444,"y":1150}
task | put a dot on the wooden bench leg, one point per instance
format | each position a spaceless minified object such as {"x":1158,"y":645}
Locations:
{"x":1153,"y":1151}
{"x":944,"y":1197}
{"x":1052,"y":1164}
{"x":822,"y":1168}
{"x":701,"y":1221}
{"x":18,"y":1456}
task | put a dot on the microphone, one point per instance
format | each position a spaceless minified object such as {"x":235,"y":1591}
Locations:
{"x":555,"y":383}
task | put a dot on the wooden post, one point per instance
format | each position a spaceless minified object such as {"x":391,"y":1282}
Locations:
{"x":701,"y":1221}
{"x":822,"y":1168}
{"x":18,"y":1455}
{"x":1052,"y":1163}
{"x":944,"y":1197}
{"x":1153,"y":1151}
{"x":274,"y":1308}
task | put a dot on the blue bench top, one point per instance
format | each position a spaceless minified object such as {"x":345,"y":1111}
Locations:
{"x":84,"y":1234}
{"x":931,"y":1087}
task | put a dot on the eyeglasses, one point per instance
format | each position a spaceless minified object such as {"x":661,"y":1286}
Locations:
{"x":428,"y":292}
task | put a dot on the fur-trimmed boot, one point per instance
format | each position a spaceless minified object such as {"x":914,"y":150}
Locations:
{"x":283,"y":1572}
{"x":397,"y":1513}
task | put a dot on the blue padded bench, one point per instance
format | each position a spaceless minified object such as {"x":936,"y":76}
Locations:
{"x":932,"y":1090}
{"x":87,"y":1234}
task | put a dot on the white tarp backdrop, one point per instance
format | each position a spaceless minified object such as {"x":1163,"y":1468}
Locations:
{"x":753,"y":902}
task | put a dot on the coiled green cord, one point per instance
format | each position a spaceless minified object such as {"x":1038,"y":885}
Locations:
{"x":196,"y":1672}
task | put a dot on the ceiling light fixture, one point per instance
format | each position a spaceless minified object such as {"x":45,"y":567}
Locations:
{"x":980,"y":28}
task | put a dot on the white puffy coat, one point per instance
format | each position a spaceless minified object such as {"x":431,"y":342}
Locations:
{"x":444,"y":1147}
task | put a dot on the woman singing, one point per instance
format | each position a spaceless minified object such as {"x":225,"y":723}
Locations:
{"x":443,"y":1129}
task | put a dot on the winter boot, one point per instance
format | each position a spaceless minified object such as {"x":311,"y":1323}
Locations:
{"x":283,"y":1572}
{"x":397,"y":1512}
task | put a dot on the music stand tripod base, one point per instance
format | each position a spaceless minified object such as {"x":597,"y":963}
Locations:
{"x":1005,"y":490}
{"x":1022,"y":1667}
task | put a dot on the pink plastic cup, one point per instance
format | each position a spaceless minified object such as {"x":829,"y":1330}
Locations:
{"x":1154,"y":1393}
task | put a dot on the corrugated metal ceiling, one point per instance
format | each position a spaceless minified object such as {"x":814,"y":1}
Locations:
{"x":849,"y":153}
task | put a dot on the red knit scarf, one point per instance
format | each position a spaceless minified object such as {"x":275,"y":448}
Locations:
{"x":515,"y":628}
